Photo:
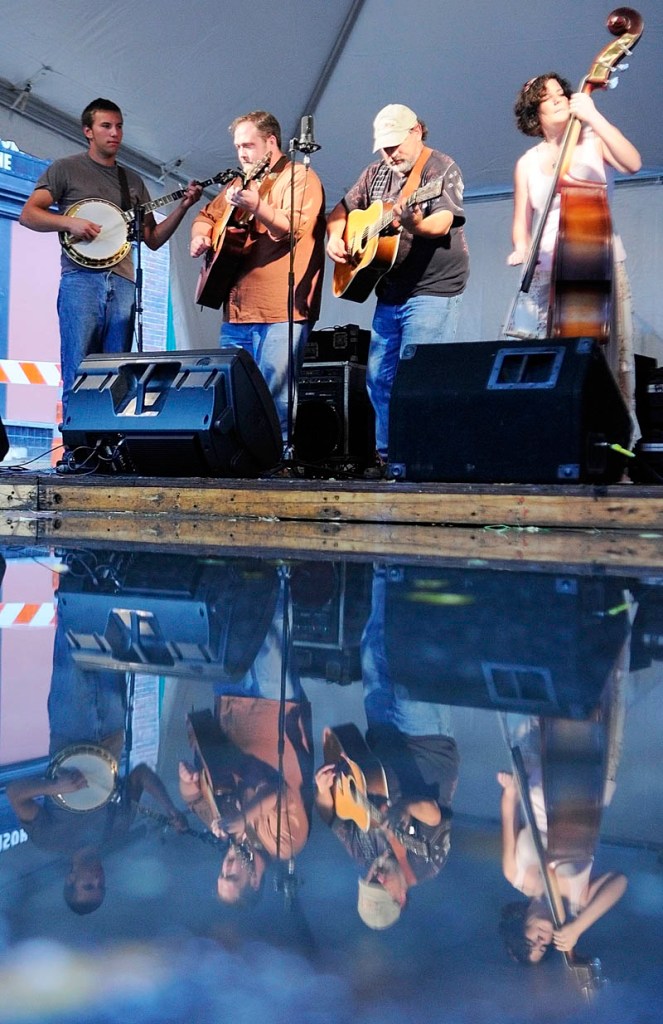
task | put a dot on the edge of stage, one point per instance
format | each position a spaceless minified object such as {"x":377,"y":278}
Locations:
{"x":617,"y":526}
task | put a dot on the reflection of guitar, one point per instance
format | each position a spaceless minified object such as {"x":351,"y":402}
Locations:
{"x":228,"y":240}
{"x":112,"y":243}
{"x":371,"y":252}
{"x":355,"y":784}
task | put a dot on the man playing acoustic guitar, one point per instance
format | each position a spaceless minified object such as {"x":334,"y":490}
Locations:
{"x":388,"y":798}
{"x":254,"y":252}
{"x":423,"y":280}
{"x":96,"y":304}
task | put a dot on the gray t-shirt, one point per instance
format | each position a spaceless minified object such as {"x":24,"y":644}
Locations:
{"x":74,"y":179}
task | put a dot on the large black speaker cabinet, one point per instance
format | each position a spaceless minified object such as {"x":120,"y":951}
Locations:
{"x":4,"y":441}
{"x":538,"y":643}
{"x":194,"y":413}
{"x":496,"y":412}
{"x":335,"y":423}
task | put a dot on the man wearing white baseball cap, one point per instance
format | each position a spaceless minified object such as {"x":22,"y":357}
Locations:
{"x":419,"y":293}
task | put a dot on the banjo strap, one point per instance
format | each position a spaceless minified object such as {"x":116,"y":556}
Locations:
{"x":124,"y":188}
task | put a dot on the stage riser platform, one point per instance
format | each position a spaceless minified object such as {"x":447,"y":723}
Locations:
{"x":583,"y":550}
{"x":617,"y":529}
{"x":618,"y":507}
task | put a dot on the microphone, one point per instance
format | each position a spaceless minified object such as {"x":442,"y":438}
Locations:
{"x":306,"y":142}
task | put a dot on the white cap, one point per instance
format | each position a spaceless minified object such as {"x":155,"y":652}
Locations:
{"x":375,"y":906}
{"x":391,"y":125}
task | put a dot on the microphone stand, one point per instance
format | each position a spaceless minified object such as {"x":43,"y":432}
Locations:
{"x":137,"y":232}
{"x":284,"y":882}
{"x":304,"y":144}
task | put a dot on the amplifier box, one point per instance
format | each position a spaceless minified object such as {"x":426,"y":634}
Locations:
{"x":338,"y":344}
{"x":334,"y":419}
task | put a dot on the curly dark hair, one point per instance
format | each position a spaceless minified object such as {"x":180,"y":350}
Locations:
{"x":526,"y":107}
{"x":512,"y":929}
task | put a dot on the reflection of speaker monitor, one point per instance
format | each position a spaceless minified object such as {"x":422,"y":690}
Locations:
{"x":494,"y":412}
{"x":330,"y":605}
{"x":535,"y":643}
{"x":166,"y":614}
{"x":647,"y":642}
{"x":196,"y":413}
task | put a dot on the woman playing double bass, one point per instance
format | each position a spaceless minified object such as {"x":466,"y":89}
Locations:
{"x":543,"y":109}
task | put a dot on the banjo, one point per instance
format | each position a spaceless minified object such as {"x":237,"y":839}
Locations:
{"x":112,"y":243}
{"x":99,"y":768}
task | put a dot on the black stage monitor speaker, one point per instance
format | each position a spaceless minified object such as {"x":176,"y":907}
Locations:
{"x":335,"y":423}
{"x":504,"y":412}
{"x":195,"y":413}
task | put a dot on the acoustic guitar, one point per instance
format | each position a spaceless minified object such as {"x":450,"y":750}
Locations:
{"x":229,"y":236}
{"x":355,"y":784}
{"x":372,"y":244}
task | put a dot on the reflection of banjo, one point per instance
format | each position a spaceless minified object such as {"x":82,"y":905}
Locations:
{"x":112,"y":243}
{"x":99,"y":768}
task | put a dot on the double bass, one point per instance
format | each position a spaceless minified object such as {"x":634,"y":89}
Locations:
{"x":581,"y":283}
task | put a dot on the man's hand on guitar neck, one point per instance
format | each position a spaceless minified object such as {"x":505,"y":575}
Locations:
{"x":412,"y":219}
{"x":248,"y":198}
{"x":408,"y":217}
{"x":426,"y":811}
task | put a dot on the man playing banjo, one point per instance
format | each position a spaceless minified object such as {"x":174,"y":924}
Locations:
{"x":83,"y":807}
{"x":96,"y":303}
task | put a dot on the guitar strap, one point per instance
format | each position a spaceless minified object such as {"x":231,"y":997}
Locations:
{"x":401,"y":856}
{"x":414,"y":178}
{"x":268,"y":182}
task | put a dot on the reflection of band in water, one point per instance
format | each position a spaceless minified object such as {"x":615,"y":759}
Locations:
{"x":99,"y":768}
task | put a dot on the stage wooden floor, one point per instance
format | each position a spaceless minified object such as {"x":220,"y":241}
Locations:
{"x":619,"y":526}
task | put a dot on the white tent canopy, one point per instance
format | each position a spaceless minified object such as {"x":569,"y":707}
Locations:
{"x":182,"y":71}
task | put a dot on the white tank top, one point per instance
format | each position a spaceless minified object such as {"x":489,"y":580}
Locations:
{"x":587,"y":164}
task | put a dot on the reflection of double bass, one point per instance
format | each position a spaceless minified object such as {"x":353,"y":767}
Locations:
{"x":586,"y":971}
{"x":581,"y":283}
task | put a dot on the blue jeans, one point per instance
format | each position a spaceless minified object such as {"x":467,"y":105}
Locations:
{"x":387,"y":702}
{"x":268,"y":344}
{"x":96,"y":312}
{"x":422,"y":320}
{"x":84,"y":705}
